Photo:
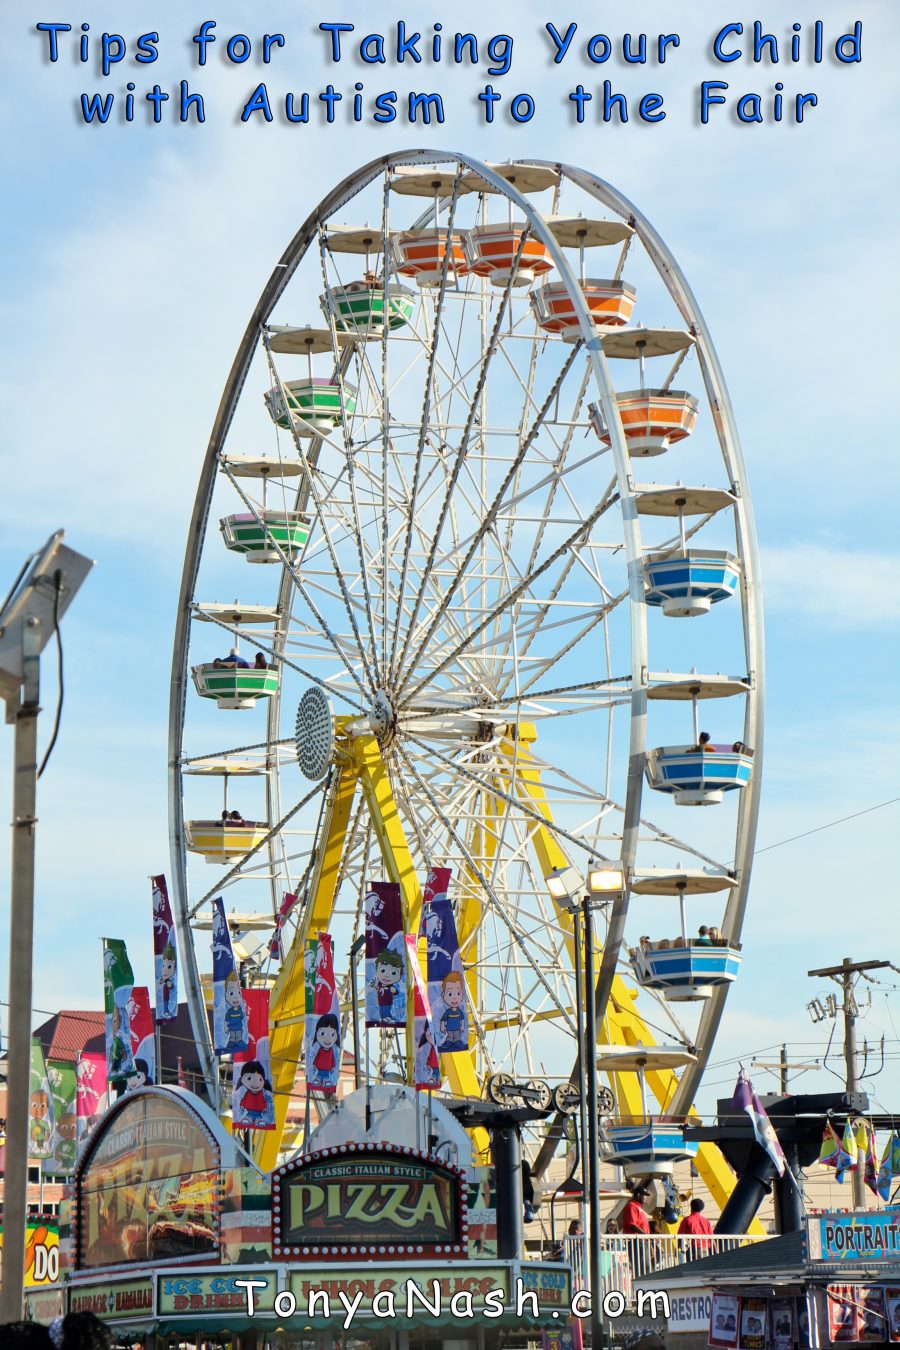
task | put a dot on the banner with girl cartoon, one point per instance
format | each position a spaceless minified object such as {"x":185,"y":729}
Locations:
{"x":143,"y":1041}
{"x":229,"y":1013}
{"x":446,"y":980}
{"x":90,"y":1098}
{"x":385,"y":956}
{"x":426,"y":1064}
{"x":252,"y":1102}
{"x":118,"y":982}
{"x":165,"y":953}
{"x":323,"y":1020}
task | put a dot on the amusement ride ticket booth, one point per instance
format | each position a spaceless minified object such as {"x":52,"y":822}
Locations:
{"x":175,"y":1238}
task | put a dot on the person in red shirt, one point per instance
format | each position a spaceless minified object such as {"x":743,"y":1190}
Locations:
{"x":696,"y":1223}
{"x":634,"y":1216}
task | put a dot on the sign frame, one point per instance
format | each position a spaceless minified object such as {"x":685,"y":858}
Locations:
{"x":382,"y":1247}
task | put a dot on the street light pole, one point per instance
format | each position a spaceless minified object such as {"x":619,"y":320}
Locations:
{"x":21,"y":939}
{"x":580,"y":1067}
{"x":29,"y":617}
{"x":593,"y":1140}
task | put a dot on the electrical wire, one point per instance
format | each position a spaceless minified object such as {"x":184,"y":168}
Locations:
{"x":831,"y":824}
{"x":57,"y":580}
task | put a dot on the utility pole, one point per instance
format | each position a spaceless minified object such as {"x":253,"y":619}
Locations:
{"x":29,"y":618}
{"x":846,"y":975}
{"x":782,"y":1067}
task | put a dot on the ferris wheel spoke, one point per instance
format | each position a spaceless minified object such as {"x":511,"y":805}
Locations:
{"x":491,"y":515}
{"x":301,"y":450}
{"x":563,"y":549}
{"x":428,"y":394}
{"x":349,"y":457}
{"x":461,"y":452}
{"x":514,"y":928}
{"x":511,"y":800}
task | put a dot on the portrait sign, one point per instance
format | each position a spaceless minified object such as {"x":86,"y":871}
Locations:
{"x":367,"y":1201}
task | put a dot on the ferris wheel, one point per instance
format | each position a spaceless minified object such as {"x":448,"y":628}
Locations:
{"x":478,"y":447}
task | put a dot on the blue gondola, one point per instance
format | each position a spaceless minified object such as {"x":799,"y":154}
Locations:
{"x":647,"y":1146}
{"x":686,"y":972}
{"x":690,"y":582}
{"x":695,"y":777}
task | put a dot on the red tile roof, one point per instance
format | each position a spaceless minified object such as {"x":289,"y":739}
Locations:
{"x":71,"y":1032}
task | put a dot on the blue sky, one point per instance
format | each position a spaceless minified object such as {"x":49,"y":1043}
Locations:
{"x":132,"y":255}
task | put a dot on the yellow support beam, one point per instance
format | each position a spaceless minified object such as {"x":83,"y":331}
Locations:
{"x":622,"y":1025}
{"x":287,"y":1006}
{"x":379,"y":795}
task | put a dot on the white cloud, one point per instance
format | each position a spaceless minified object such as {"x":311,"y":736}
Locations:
{"x":833,"y":585}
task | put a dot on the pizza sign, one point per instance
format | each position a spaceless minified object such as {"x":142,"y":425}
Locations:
{"x":368,"y":1202}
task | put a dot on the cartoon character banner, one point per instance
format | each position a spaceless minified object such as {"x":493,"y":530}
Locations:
{"x":229,"y":1014}
{"x":143,"y":1043}
{"x":40,"y":1106}
{"x":287,"y":904}
{"x":385,"y":956}
{"x":165,"y":953}
{"x":90,"y":1074}
{"x":118,"y":982}
{"x":323,"y":1020}
{"x":427,"y":1064}
{"x":62,"y":1080}
{"x":252,"y":1102}
{"x":446,"y":981}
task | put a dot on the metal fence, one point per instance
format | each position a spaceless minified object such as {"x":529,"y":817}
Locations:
{"x":627,"y":1258}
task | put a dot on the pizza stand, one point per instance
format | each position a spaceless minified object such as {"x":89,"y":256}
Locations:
{"x":168,"y":1218}
{"x":834,"y":1282}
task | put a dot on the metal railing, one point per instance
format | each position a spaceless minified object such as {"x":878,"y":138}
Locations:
{"x":627,"y":1258}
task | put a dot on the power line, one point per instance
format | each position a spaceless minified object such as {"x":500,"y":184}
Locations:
{"x":831,"y":824}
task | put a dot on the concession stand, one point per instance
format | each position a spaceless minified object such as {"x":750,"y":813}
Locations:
{"x":835,"y":1281}
{"x":174,"y":1238}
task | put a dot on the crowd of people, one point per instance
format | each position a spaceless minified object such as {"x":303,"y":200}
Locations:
{"x":76,"y":1331}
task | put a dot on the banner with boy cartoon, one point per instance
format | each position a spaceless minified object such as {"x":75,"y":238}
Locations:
{"x":143,"y":1042}
{"x":118,"y":982}
{"x":446,"y":981}
{"x":61,"y":1077}
{"x":40,"y":1106}
{"x":252,"y":1102}
{"x":165,"y":953}
{"x":90,"y":1099}
{"x":385,"y":956}
{"x":323,"y":1019}
{"x":229,"y":1013}
{"x":426,"y":1064}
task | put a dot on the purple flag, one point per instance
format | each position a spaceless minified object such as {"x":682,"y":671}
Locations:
{"x":165,"y":953}
{"x":385,"y":956}
{"x":745,"y":1099}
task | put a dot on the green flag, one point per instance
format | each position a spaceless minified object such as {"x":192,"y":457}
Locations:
{"x":118,"y":982}
{"x":63,"y":1081}
{"x":40,"y":1106}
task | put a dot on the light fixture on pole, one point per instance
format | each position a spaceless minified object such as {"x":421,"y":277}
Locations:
{"x":29,"y":617}
{"x":606,"y":879}
{"x":566,"y":885}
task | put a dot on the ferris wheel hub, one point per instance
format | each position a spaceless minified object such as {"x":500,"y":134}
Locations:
{"x":382,"y":719}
